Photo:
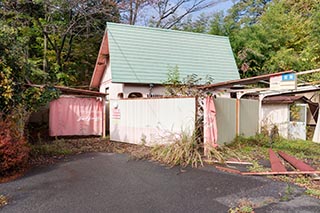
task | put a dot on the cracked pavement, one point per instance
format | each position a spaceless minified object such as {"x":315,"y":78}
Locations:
{"x":107,"y":182}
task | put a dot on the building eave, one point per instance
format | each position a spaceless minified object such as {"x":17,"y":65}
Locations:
{"x":101,"y":63}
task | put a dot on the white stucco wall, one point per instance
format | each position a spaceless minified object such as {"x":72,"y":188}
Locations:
{"x":106,"y":79}
{"x":113,"y":88}
{"x":143,"y":89}
{"x":276,"y":114}
{"x":126,"y":89}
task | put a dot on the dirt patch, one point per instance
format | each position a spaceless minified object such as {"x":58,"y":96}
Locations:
{"x":47,"y":153}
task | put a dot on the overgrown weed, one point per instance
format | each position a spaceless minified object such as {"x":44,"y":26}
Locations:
{"x":260,"y":143}
{"x":184,"y":150}
{"x":257,"y":147}
{"x":55,"y":148}
{"x":244,"y":206}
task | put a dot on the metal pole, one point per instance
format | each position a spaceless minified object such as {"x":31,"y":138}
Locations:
{"x":308,"y":72}
{"x":104,"y":118}
{"x":260,"y":112}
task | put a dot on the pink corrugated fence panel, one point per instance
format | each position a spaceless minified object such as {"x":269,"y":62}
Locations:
{"x":75,"y":116}
{"x":210,"y":123}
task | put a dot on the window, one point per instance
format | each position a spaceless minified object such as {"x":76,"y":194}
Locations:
{"x":120,"y":95}
{"x":135,"y":95}
{"x":107,"y":92}
{"x":298,"y":112}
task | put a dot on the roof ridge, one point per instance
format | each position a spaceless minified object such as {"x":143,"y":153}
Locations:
{"x":166,"y":30}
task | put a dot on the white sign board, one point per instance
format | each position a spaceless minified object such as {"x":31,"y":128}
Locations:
{"x":283,"y":82}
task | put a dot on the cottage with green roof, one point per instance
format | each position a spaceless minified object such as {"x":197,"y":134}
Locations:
{"x":134,"y":61}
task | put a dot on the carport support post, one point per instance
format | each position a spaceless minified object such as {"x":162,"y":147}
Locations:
{"x":261,"y":97}
{"x":104,"y":100}
{"x":237,"y":116}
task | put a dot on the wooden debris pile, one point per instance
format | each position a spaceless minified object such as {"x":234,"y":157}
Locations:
{"x":277,"y":166}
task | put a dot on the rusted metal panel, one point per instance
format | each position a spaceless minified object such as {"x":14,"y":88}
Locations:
{"x":298,"y":164}
{"x":283,"y":99}
{"x":276,"y":164}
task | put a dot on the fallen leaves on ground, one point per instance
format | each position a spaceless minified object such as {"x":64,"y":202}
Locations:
{"x":3,"y":200}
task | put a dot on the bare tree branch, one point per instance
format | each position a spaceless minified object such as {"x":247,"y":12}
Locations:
{"x":130,"y":9}
{"x":162,"y":13}
{"x":169,"y":17}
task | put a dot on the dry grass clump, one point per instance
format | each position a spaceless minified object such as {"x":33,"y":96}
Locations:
{"x":184,"y":150}
{"x":222,"y":154}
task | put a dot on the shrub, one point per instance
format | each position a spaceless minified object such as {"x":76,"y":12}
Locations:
{"x":14,"y":151}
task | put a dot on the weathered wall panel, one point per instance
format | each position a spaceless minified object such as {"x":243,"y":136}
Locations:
{"x":226,"y":119}
{"x":150,"y":120}
{"x":75,"y":116}
{"x":276,"y":114}
{"x":249,"y":117}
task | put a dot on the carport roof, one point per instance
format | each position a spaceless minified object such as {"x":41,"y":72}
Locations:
{"x":284,"y":99}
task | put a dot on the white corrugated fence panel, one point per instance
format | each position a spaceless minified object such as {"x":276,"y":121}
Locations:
{"x":151,"y":120}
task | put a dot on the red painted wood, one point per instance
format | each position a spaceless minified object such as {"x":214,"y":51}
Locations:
{"x":282,"y":173}
{"x":224,"y":169}
{"x":298,"y":164}
{"x":276,"y":164}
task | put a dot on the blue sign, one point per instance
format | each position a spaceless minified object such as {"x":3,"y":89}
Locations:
{"x":288,"y":77}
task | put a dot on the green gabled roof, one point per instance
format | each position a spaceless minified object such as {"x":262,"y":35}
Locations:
{"x":144,"y":54}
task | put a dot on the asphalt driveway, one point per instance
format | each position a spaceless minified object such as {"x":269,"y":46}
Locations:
{"x":102,"y":182}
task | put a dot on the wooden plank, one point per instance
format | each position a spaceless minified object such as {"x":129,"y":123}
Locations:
{"x":282,"y":173}
{"x":239,"y":162}
{"x":228,"y":162}
{"x":298,"y":164}
{"x":228,"y":170}
{"x":276,"y":164}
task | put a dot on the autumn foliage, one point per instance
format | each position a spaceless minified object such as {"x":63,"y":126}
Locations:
{"x":14,"y":151}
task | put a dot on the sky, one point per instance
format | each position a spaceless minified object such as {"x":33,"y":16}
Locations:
{"x":223,"y":6}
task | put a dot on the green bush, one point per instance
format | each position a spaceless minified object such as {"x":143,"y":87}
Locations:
{"x":14,"y":151}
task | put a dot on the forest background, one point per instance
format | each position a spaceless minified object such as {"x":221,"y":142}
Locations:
{"x":56,"y":42}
